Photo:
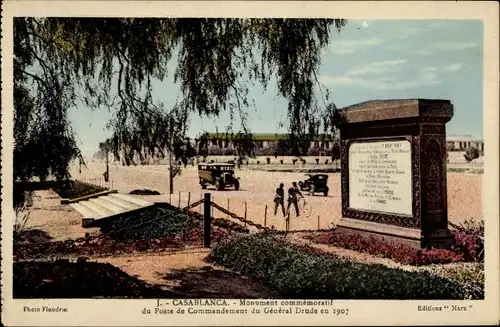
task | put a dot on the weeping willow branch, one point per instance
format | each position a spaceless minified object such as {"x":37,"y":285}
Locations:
{"x":112,"y":62}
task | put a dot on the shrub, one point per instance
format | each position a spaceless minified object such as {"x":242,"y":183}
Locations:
{"x":471,"y":154}
{"x":326,"y":162}
{"x":336,"y":152}
{"x":312,"y":152}
{"x":230,"y":225}
{"x":153,"y":222}
{"x":296,"y":274}
{"x":317,"y":161}
{"x":145,"y":192}
{"x":404,"y":254}
{"x":268,"y":160}
{"x":469,"y":239}
{"x":281,"y":161}
{"x":76,"y":189}
{"x":294,"y":160}
{"x":469,"y":275}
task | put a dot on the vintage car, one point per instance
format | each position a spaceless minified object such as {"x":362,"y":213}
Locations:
{"x":218,"y":174}
{"x":315,"y":183}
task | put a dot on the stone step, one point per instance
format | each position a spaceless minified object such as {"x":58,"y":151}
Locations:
{"x":97,"y":209}
{"x":110,"y":206}
{"x":84,"y":211}
{"x":121,"y":203}
{"x":132,"y":199}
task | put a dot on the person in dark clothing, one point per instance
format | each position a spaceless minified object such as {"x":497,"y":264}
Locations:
{"x":279,"y":199}
{"x":293,"y":194}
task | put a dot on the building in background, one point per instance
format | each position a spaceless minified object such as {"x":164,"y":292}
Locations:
{"x":463,"y":142}
{"x":266,"y":140}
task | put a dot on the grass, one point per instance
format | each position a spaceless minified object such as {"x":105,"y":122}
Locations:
{"x":467,"y":170}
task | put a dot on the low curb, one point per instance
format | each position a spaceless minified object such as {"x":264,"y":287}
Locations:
{"x":86,"y":197}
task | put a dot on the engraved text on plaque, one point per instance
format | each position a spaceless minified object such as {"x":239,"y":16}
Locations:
{"x":380,"y":177}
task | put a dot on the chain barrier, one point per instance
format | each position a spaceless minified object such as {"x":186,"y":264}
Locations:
{"x":107,"y":242}
{"x":243,"y":220}
{"x":69,"y":246}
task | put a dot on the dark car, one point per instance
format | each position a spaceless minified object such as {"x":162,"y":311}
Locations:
{"x":218,"y":174}
{"x":315,"y":183}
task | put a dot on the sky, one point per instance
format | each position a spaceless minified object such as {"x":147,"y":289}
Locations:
{"x":366,"y":60}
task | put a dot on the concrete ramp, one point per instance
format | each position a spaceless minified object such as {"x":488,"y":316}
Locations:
{"x":108,"y":206}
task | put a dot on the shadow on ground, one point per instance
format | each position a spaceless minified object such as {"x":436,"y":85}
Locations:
{"x":81,"y":279}
{"x":207,"y":282}
{"x":31,"y":236}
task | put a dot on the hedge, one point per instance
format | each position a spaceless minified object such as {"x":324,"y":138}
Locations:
{"x":76,"y":189}
{"x":297,"y":274}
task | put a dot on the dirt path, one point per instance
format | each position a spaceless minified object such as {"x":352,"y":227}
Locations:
{"x":186,"y":274}
{"x":257,"y":192}
{"x":48,"y":220}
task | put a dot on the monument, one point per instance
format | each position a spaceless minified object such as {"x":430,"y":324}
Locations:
{"x":393,"y":170}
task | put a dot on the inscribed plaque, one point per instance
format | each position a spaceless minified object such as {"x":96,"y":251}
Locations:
{"x":380,"y":177}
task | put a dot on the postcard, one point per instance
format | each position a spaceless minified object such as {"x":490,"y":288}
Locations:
{"x":234,"y":163}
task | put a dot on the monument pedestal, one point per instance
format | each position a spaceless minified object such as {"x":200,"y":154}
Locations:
{"x":395,"y":234}
{"x":394,"y":171}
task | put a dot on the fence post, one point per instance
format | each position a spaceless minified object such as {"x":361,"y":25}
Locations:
{"x":287,"y":224}
{"x":179,"y":202}
{"x":170,"y":198}
{"x":207,"y":221}
{"x":318,"y":222}
{"x":265,"y":216}
{"x":245,"y":214}
{"x":201,"y":198}
{"x":228,"y":207}
{"x":189,"y":198}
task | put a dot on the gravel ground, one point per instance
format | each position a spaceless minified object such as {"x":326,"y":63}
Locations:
{"x":60,"y":222}
{"x":187,"y":274}
{"x":257,"y":190}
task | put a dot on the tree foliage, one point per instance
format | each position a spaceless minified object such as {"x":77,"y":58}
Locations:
{"x":471,"y":153}
{"x":62,"y":63}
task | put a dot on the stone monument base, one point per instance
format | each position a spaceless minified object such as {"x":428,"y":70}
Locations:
{"x":399,"y":235}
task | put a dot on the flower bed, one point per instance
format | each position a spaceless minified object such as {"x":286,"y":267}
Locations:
{"x":468,"y":246}
{"x":469,"y":239}
{"x":158,"y":222}
{"x":297,"y":274}
{"x":154,"y":229}
{"x":404,"y":254}
{"x":218,"y":222}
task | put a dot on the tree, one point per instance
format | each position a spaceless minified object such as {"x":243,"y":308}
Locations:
{"x":112,"y":62}
{"x":471,"y":153}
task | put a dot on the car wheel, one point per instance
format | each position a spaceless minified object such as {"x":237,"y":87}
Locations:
{"x":236,"y":185}
{"x":218,"y":185}
{"x":204,"y":186}
{"x":311,"y":190}
{"x":326,"y":193}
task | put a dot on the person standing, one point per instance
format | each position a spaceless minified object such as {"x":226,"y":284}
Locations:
{"x":293,"y":194}
{"x":279,"y":199}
